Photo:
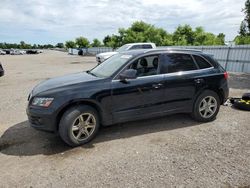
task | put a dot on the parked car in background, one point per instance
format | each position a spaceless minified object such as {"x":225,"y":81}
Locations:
{"x":17,"y":52}
{"x":33,"y":51}
{"x":1,"y":70}
{"x":7,"y":51}
{"x":131,"y":46}
{"x":130,"y":85}
{"x":2,"y":52}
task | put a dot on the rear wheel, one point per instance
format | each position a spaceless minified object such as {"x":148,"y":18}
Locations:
{"x":79,"y":125}
{"x":206,"y":106}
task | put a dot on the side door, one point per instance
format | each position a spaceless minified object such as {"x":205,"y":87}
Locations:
{"x":180,"y":81}
{"x":138,"y":98}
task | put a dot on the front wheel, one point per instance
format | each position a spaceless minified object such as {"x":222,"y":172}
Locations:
{"x":79,"y":125}
{"x":206,"y":106}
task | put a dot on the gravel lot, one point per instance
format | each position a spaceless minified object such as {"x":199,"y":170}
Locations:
{"x":173,"y":151}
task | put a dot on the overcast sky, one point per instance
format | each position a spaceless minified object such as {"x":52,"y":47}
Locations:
{"x":53,"y":21}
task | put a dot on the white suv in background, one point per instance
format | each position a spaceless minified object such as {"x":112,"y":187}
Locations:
{"x":131,"y":46}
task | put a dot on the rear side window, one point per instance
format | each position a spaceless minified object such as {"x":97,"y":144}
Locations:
{"x":201,"y":62}
{"x":177,"y":62}
{"x":146,"y":46}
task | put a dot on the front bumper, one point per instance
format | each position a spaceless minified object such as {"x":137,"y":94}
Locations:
{"x":42,"y":119}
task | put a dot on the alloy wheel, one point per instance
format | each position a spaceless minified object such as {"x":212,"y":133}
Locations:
{"x":83,"y":126}
{"x":208,"y":107}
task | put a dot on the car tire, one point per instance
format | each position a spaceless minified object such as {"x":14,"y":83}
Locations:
{"x":246,"y":96}
{"x":206,"y":106}
{"x":79,"y":120}
{"x":242,"y":104}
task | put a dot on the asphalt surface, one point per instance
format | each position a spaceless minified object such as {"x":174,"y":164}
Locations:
{"x":173,"y":151}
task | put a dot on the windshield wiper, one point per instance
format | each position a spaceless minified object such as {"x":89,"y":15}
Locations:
{"x":91,"y":73}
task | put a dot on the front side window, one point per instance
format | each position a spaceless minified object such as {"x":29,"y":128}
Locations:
{"x":176,"y":63}
{"x":145,"y":66}
{"x":110,"y":66}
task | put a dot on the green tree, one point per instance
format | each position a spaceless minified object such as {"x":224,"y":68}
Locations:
{"x":115,"y":41}
{"x":70,"y":44}
{"x":59,"y":45}
{"x":184,"y":35}
{"x":34,"y":46}
{"x":82,"y":42}
{"x":200,"y":36}
{"x":244,"y":31}
{"x":246,"y":10}
{"x":220,"y":39}
{"x":243,"y":28}
{"x":241,"y":40}
{"x":3,"y":46}
{"x":106,"y":40}
{"x":144,"y":32}
{"x":22,"y":45}
{"x":96,"y":43}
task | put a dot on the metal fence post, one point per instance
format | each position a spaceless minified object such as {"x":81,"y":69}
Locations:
{"x":243,"y":66}
{"x":227,"y":58}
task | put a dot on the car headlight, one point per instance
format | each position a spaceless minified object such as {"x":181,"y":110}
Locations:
{"x":42,"y":101}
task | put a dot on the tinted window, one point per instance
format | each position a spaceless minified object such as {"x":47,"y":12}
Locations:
{"x":146,"y":46}
{"x":202,"y":63}
{"x":136,"y":47}
{"x":177,"y":62}
{"x":145,"y":66}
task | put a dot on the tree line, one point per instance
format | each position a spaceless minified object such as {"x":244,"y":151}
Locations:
{"x":140,"y":31}
{"x":23,"y":45}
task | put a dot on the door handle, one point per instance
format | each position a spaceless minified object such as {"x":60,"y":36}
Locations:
{"x":157,"y":86}
{"x":199,"y":81}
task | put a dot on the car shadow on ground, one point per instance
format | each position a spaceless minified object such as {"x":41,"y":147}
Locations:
{"x":22,"y":140}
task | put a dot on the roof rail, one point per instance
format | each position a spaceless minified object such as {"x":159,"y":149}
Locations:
{"x":177,"y":49}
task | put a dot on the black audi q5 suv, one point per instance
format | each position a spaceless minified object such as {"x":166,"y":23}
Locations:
{"x":129,"y":86}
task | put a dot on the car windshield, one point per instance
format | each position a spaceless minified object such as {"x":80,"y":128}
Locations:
{"x":122,"y":48}
{"x":110,"y":66}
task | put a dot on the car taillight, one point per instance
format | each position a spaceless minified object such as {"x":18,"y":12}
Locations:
{"x":226,"y":75}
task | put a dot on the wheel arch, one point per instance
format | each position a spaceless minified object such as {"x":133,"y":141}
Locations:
{"x":75,"y":103}
{"x":218,"y":91}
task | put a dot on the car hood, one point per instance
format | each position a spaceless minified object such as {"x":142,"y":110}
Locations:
{"x":106,"y":54}
{"x":62,"y":81}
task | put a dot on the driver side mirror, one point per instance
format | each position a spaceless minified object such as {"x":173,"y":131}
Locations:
{"x":128,"y":74}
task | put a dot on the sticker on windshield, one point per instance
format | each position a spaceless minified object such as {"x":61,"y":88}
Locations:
{"x":126,"y":56}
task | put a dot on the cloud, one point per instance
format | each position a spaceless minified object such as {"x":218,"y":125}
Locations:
{"x":52,"y":21}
